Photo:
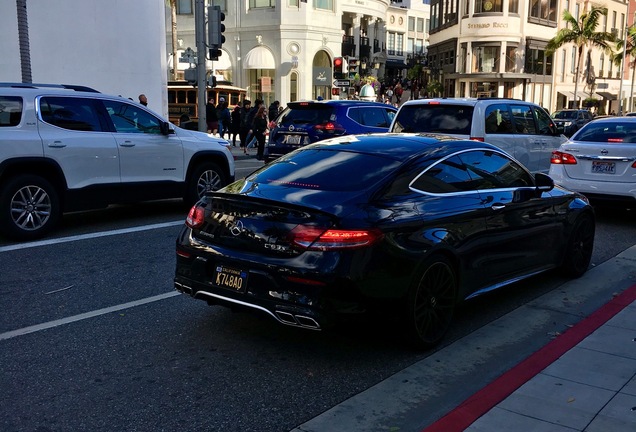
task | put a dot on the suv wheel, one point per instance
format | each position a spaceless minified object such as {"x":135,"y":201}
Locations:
{"x":29,"y":207}
{"x":207,"y":177}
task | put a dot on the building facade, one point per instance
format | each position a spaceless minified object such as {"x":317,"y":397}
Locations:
{"x":497,"y":48}
{"x":284,"y":49}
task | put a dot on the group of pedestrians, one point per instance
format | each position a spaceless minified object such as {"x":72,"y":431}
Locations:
{"x":249,"y":122}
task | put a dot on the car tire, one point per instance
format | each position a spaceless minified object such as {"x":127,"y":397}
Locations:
{"x":29,"y":207}
{"x":206,"y":177}
{"x":431,"y":303}
{"x":578,"y":251}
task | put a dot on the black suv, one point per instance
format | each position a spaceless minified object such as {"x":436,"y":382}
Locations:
{"x":303,"y":123}
{"x":569,"y":121}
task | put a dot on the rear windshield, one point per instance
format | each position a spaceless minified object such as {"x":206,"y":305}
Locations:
{"x":607,"y":132}
{"x":324,"y":169}
{"x":450,"y":119}
{"x":299,"y":114}
{"x":565,"y":114}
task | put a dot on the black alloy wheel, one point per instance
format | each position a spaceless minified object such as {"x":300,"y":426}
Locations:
{"x":431,"y":303}
{"x":578,"y":252}
{"x":29,"y":207}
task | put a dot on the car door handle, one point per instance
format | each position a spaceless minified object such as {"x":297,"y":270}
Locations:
{"x":498,"y":206}
{"x":127,"y":144}
{"x":57,"y":144}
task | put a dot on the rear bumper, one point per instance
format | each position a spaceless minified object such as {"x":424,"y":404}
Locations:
{"x":595,"y":189}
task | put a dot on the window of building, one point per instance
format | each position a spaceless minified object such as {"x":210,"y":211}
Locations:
{"x":601,"y":66}
{"x":410,"y":45}
{"x":577,"y":11}
{"x":262,"y":3}
{"x":184,"y":7}
{"x":420,"y":25}
{"x":511,"y":58}
{"x":293,"y":3}
{"x":537,"y":62}
{"x":563,"y":56}
{"x":487,"y":6}
{"x":399,"y":49}
{"x":444,"y":12}
{"x":321,"y":4}
{"x":391,"y":43}
{"x":542,"y":11}
{"x":513,"y":6}
{"x":293,"y":87}
{"x":566,"y":5}
{"x":411,"y":24}
{"x":487,"y":59}
{"x":419,"y":46}
{"x":622,"y":25}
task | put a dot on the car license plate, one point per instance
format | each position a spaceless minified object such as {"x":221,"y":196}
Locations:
{"x":234,"y":279}
{"x":292,"y":139}
{"x":604,"y":167}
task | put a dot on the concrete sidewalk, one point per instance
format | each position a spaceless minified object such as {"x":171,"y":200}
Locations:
{"x":581,"y":378}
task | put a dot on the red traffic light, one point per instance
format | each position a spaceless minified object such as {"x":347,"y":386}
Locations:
{"x":338,"y":67}
{"x":338,"y":62}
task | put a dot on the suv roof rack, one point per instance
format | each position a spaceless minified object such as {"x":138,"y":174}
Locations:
{"x":57,"y":86}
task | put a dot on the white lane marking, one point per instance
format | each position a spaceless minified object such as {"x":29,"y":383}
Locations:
{"x":92,"y":314}
{"x":88,"y":236}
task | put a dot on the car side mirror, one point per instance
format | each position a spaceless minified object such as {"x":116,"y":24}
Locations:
{"x":165,"y":128}
{"x":543,"y":182}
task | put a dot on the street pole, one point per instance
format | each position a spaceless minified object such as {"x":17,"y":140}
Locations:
{"x":199,"y":34}
{"x":620,"y":88}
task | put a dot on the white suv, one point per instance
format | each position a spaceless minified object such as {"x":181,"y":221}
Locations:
{"x":522,"y":129}
{"x":69,"y":148}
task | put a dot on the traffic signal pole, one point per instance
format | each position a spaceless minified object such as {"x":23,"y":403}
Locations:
{"x":199,"y":34}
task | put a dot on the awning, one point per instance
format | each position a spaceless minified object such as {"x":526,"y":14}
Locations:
{"x":607,"y":95}
{"x":259,"y":58}
{"x":395,"y":64}
{"x":570,"y":95}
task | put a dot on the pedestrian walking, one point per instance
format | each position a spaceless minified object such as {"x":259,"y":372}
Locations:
{"x":223,"y":114}
{"x":259,"y":130}
{"x":244,"y":128}
{"x":210,"y":117}
{"x":235,"y":124}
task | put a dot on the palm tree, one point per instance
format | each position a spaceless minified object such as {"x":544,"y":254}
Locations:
{"x":582,"y":34}
{"x":617,"y":58}
{"x":23,"y":37}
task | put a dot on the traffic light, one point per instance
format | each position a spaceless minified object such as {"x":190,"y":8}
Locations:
{"x":338,"y":68}
{"x":215,"y":31}
{"x":353,"y":67}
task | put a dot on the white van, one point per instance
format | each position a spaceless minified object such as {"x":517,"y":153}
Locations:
{"x":522,"y":129}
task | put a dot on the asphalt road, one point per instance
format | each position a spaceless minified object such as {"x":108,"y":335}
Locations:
{"x":118,"y":349}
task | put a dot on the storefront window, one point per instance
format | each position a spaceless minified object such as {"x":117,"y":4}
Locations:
{"x":261,"y":85}
{"x":324,"y":4}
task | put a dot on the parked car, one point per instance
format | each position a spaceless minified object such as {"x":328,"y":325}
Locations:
{"x":69,"y":148}
{"x":523,"y":129}
{"x":568,"y":121}
{"x":303,"y":123}
{"x":403,"y":225}
{"x":600,"y":161}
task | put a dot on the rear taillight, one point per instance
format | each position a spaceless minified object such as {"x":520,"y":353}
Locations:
{"x":315,"y":238}
{"x":481,"y":139}
{"x":330,"y":128}
{"x":196,"y":216}
{"x":561,"y":158}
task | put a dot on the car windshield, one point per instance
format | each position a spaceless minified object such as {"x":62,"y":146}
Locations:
{"x":306,"y":114}
{"x":564,"y":115}
{"x":438,"y":118}
{"x":326,"y":169}
{"x":607,"y":132}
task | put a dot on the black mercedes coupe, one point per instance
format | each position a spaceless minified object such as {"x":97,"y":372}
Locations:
{"x":405,"y":225}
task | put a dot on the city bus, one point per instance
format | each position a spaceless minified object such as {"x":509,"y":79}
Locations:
{"x":182,"y":98}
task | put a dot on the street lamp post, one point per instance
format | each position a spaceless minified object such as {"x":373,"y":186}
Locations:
{"x":620,"y":88}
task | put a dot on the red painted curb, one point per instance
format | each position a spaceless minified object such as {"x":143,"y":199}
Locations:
{"x":488,"y":397}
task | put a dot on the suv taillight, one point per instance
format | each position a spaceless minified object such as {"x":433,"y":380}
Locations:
{"x":561,"y":158}
{"x":330,"y":128}
{"x":480,"y":139}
